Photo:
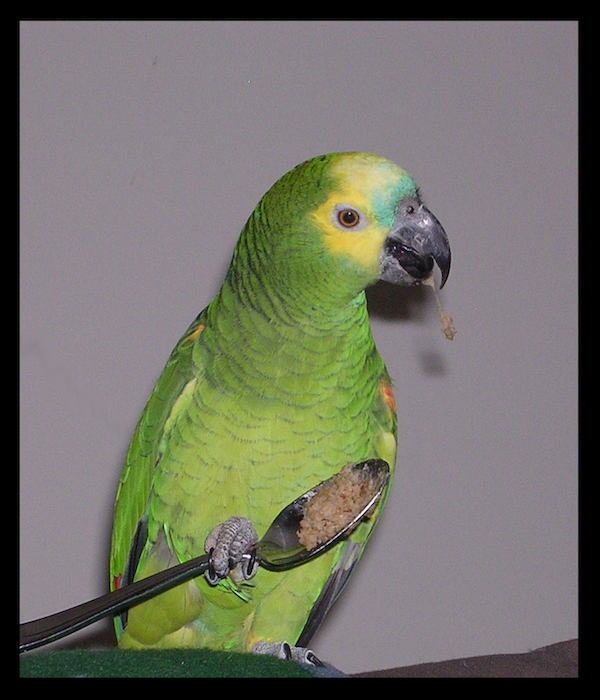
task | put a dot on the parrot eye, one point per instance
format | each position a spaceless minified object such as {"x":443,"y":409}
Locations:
{"x":345,"y":217}
{"x":348,"y":218}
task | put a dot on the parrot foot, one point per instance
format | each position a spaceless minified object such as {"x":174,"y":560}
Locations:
{"x":282,"y":650}
{"x":228,"y":545}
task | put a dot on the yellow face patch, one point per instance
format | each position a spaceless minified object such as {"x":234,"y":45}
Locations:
{"x":363,"y":246}
{"x":371,"y":185}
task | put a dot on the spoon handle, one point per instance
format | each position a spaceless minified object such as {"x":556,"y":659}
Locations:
{"x":48,"y":629}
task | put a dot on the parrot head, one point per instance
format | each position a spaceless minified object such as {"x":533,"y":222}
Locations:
{"x":342,"y":221}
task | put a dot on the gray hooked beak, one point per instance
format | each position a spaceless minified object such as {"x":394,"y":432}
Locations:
{"x":415,"y":242}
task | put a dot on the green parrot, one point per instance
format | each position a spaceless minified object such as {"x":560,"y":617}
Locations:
{"x":275,"y":387}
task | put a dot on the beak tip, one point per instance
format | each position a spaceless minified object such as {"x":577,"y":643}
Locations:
{"x":445,"y":274}
{"x":443,"y":262}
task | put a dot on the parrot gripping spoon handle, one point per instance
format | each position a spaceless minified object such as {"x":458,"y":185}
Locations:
{"x":278,"y":550}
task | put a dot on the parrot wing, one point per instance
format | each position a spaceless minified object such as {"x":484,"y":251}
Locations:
{"x":168,"y":399}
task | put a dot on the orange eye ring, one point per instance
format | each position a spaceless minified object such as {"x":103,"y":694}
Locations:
{"x":348,"y":218}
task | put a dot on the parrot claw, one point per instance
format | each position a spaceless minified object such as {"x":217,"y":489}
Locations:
{"x":282,"y":650}
{"x":228,"y":546}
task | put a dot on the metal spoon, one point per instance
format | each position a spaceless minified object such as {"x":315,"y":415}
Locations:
{"x":279,"y":549}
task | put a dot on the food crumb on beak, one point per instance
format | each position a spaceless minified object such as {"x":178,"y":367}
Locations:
{"x":448,"y":328}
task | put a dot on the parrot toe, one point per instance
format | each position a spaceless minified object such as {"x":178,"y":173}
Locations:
{"x":283,"y":650}
{"x":228,"y":544}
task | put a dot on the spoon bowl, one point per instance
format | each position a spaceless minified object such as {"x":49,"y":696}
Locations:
{"x":280,"y":547}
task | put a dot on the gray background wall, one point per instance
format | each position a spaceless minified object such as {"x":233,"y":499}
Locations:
{"x":145,"y":146}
